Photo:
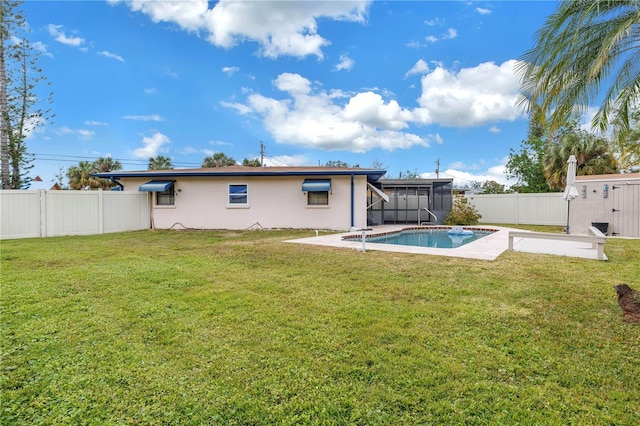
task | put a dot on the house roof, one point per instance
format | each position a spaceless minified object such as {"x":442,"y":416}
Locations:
{"x":37,"y":184}
{"x":372,"y":174}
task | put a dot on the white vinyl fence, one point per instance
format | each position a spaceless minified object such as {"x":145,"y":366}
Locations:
{"x":530,"y":209}
{"x":28,"y":214}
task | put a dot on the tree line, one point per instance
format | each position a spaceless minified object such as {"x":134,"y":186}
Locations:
{"x":21,"y":110}
{"x":80,"y":176}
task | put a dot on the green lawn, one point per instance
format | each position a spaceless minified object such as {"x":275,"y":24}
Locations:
{"x":177,"y":327}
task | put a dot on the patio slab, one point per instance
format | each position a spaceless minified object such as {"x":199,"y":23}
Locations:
{"x":486,"y":248}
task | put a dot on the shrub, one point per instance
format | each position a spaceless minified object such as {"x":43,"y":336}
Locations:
{"x":462,"y":213}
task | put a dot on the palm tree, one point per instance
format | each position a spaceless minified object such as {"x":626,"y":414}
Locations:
{"x":107,"y":164}
{"x":219,"y":159}
{"x":592,"y":153}
{"x":80,"y":176}
{"x":251,"y":163}
{"x":160,"y":162}
{"x":583,"y":43}
{"x":627,"y":150}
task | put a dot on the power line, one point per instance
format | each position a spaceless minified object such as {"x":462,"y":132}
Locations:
{"x":263,"y":156}
{"x":76,"y":158}
{"x":132,"y":161}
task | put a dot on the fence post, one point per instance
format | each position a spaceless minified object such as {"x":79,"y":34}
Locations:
{"x":100,"y":211}
{"x":43,"y":212}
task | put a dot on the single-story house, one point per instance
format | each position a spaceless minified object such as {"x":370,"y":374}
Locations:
{"x":240,"y":197}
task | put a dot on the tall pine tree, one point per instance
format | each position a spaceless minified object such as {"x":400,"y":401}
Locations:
{"x":21,"y":111}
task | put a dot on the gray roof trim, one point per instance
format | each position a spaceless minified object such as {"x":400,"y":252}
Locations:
{"x":372,"y":174}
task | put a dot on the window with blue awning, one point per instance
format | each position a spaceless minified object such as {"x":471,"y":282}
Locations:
{"x":316,"y":185}
{"x":157,"y":186}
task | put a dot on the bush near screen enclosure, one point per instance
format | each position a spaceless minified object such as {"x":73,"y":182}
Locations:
{"x":462,"y":213}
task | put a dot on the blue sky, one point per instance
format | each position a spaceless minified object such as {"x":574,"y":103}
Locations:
{"x":401,"y":83}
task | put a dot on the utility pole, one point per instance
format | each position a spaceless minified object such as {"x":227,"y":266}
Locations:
{"x":438,"y":168}
{"x":261,"y":154}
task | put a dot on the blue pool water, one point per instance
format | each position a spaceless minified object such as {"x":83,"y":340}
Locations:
{"x":437,"y":238}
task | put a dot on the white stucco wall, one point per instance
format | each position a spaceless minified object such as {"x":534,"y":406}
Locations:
{"x":273,"y":202}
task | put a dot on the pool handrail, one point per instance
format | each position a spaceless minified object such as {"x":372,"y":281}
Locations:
{"x":428,"y":211}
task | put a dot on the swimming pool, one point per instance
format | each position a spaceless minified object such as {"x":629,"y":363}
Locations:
{"x":420,"y":237}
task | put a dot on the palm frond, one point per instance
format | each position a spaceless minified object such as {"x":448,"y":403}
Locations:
{"x":582,"y":45}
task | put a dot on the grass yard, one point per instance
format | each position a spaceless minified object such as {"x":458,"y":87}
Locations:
{"x":177,"y":327}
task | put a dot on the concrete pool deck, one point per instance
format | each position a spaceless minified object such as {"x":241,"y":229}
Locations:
{"x":486,"y":248}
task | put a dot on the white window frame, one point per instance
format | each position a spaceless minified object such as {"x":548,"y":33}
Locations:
{"x":236,"y":194}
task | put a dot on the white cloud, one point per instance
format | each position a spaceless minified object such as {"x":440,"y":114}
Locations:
{"x":292,"y":83}
{"x":370,"y":109}
{"x":586,"y":118}
{"x":42,"y":48}
{"x":420,"y":67}
{"x":241,"y":108}
{"x":434,"y":22}
{"x":346,"y":63}
{"x":84,"y":134}
{"x":111,"y":55}
{"x":150,"y":117}
{"x":64,"y":130}
{"x":331,"y":120}
{"x":56,"y":32}
{"x":494,"y":129}
{"x":219,"y":143}
{"x":287,"y":160}
{"x":465,"y":179}
{"x":451,"y":33}
{"x":470,"y":97}
{"x":483,"y":11}
{"x":457,"y":165}
{"x":230,"y":70}
{"x":172,"y":74}
{"x":95,"y":123}
{"x":310,"y":116}
{"x":33,"y":125}
{"x":151,"y":91}
{"x":280,"y":28}
{"x":187,"y":150}
{"x":152,"y":145}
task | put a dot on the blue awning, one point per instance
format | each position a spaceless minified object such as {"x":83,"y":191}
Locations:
{"x":316,"y":185}
{"x":156,"y":185}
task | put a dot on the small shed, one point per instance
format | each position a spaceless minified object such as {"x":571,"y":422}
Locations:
{"x":611,"y":203}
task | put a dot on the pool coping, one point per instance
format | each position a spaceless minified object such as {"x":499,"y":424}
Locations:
{"x":485,"y":248}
